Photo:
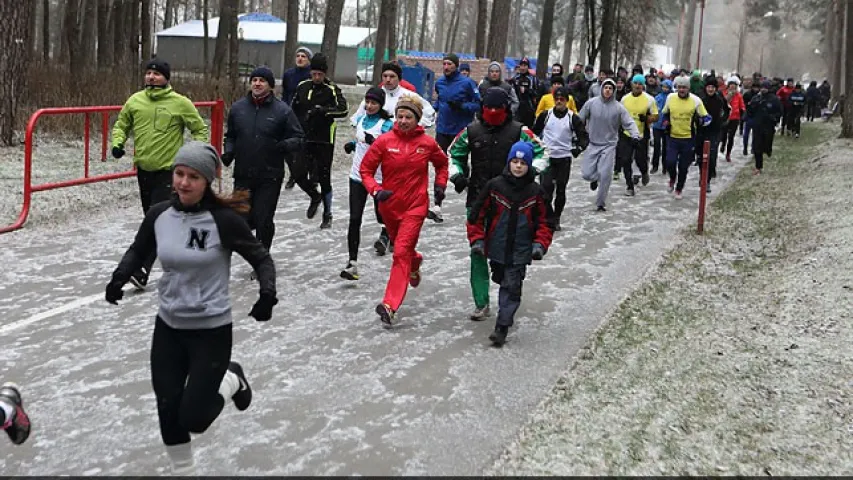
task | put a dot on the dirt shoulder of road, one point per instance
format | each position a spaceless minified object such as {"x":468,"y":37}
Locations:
{"x":733,"y":357}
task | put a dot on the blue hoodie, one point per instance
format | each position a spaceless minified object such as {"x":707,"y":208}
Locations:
{"x":455,"y":88}
{"x":660,"y":98}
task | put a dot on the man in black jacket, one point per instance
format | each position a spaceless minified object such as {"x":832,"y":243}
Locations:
{"x":718,"y":108}
{"x":317,"y":103}
{"x":262,"y":131}
{"x":765,"y":111}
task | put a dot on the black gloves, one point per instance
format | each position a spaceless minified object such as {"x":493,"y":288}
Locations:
{"x":454,"y":105}
{"x":118,"y":152}
{"x":349,"y":147}
{"x":227,"y":158}
{"x":369,"y":139}
{"x":438,"y":193}
{"x":576,"y":152}
{"x":262,"y":311}
{"x":459,"y":183}
{"x":642,"y":117}
{"x":636,"y":142}
{"x":383,"y":195}
{"x":478,"y":248}
{"x":538,"y":251}
{"x":114,"y":292}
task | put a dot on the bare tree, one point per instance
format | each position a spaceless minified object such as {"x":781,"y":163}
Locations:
{"x":279,"y":8}
{"x":206,"y":28}
{"x":424,"y":18}
{"x":220,"y":50}
{"x":45,"y":30}
{"x":14,"y":60}
{"x":168,"y":21}
{"x":381,"y":36}
{"x":498,"y":26}
{"x":412,"y":20}
{"x":145,"y":28}
{"x":686,"y":41}
{"x":233,"y":45}
{"x":482,"y":23}
{"x":334,"y":10}
{"x":391,"y":6}
{"x":451,"y":30}
{"x":583,"y":56}
{"x":133,"y":34}
{"x":605,"y":44}
{"x":545,"y":36}
{"x":569,"y":39}
{"x":292,"y":34}
{"x":89,"y":11}
{"x":440,"y":8}
{"x":104,"y":49}
{"x":847,"y":122}
{"x":71,"y":36}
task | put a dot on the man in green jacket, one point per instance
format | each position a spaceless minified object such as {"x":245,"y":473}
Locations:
{"x":158,"y":116}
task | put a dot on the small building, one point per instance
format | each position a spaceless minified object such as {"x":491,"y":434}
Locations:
{"x":261,"y":43}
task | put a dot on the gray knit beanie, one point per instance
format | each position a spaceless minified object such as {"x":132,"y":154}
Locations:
{"x":199,"y":156}
{"x":306,"y":51}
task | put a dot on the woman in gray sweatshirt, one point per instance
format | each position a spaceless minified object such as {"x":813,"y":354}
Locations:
{"x":194,"y":235}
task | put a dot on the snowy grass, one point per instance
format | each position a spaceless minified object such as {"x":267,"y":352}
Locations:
{"x":732,"y":357}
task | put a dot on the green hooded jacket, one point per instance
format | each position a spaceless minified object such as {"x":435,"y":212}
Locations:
{"x":158,"y":117}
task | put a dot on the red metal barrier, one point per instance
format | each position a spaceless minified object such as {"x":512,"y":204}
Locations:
{"x":703,"y":185}
{"x":217,"y":130}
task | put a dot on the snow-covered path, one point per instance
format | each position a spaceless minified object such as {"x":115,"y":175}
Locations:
{"x":334,"y":392}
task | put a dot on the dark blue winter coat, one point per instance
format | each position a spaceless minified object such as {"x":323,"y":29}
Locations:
{"x":464,"y":93}
{"x":291,"y":79}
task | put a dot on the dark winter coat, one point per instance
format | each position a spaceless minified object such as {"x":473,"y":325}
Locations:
{"x":319,"y":123}
{"x":764,"y":111}
{"x":718,"y":108}
{"x":527,"y":90}
{"x":291,"y":79}
{"x":261,"y":135}
{"x":509,"y":217}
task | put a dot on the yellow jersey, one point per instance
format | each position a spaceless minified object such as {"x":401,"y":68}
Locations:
{"x":642,"y":104}
{"x":547,"y":103}
{"x":681,"y":111}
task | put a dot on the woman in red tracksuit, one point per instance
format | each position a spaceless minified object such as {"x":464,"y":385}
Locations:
{"x":735,"y":100}
{"x":404,"y":154}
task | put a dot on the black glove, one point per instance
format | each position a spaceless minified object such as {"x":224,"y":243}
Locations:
{"x":454,"y":105}
{"x":576,"y":152}
{"x":369,"y":139}
{"x":642,"y":117}
{"x":118,"y":152}
{"x":438,"y":193}
{"x":383,"y":195}
{"x":114,"y":292}
{"x":478,"y":248}
{"x":459,"y":183}
{"x":636,"y":142}
{"x":262,"y":310}
{"x":349,"y":147}
{"x":538,"y":251}
{"x":227,"y":158}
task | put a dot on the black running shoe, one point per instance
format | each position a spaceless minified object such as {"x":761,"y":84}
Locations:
{"x":381,"y":245}
{"x":593,"y":186}
{"x":327,"y":222}
{"x":18,"y":428}
{"x":601,"y":209}
{"x":243,"y":398}
{"x":290,"y":183}
{"x":498,"y":337}
{"x":386,"y":315}
{"x":313,"y":206}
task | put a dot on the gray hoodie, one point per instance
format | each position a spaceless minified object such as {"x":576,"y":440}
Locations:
{"x":605,"y":120}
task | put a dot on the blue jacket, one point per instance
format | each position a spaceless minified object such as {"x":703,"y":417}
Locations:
{"x":660,"y":99}
{"x":455,"y":88}
{"x":290,"y":80}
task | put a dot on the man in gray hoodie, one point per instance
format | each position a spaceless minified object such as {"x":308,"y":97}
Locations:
{"x":493,"y":79}
{"x":605,"y":118}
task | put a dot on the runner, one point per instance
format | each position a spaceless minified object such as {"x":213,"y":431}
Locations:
{"x":493,"y":79}
{"x":547,"y":100}
{"x":403,"y":155}
{"x":369,"y":126}
{"x":195,"y":234}
{"x":812,"y":102}
{"x":290,"y":79}
{"x":735,"y":100}
{"x":13,"y":417}
{"x":605,"y":118}
{"x":765,"y":109}
{"x":797,"y":99}
{"x":158,"y":116}
{"x":262,"y":132}
{"x":659,"y":133}
{"x":506,"y":224}
{"x":317,"y":103}
{"x":644,"y":111}
{"x":564,"y":135}
{"x":679,"y":111}
{"x":392,"y":85}
{"x":747,"y":122}
{"x":784,"y":93}
{"x":527,"y":89}
{"x":718,"y":108}
{"x":457,"y":101}
{"x":487,"y":141}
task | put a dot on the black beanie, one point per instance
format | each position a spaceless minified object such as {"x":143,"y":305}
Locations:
{"x":558,"y":79}
{"x":377,"y":94}
{"x":453,"y":58}
{"x":264,"y":73}
{"x":318,"y":62}
{"x":159,"y":65}
{"x":394,"y":68}
{"x":495,"y":97}
{"x":709,"y":80}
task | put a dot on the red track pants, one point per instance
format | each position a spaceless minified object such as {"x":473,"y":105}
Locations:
{"x":404,"y":232}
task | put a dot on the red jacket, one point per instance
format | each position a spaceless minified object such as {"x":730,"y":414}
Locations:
{"x":737,"y":105}
{"x":404,"y":157}
{"x":783,"y":94}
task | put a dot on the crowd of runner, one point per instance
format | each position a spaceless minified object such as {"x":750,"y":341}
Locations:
{"x":506,"y":142}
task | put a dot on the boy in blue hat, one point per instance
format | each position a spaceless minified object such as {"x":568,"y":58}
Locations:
{"x":508,"y":225}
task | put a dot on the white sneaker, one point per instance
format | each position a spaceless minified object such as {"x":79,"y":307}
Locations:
{"x":350,"y":272}
{"x":434,"y":214}
{"x":480,"y":314}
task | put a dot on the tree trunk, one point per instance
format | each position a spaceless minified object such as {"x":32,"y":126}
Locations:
{"x":220,"y":51}
{"x":279,"y":8}
{"x":498,"y":27}
{"x":233,"y":45}
{"x":393,"y":42}
{"x":686,"y":41}
{"x":167,"y":14}
{"x":451,"y":30}
{"x":145,"y":27}
{"x":117,"y":19}
{"x":292,"y":34}
{"x":89,"y":11}
{"x":423,"y":26}
{"x":33,"y":26}
{"x":381,"y":38}
{"x":838,"y":71}
{"x":617,"y":6}
{"x":605,"y":44}
{"x":583,"y":55}
{"x":741,"y":44}
{"x":133,"y":35}
{"x":847,"y":122}
{"x":206,"y":28}
{"x":45,"y":31}
{"x":413,"y":24}
{"x":440,"y":8}
{"x":71,"y":28}
{"x":14,"y":61}
{"x":482,"y":25}
{"x":569,"y":38}
{"x":545,"y":36}
{"x":334,"y":10}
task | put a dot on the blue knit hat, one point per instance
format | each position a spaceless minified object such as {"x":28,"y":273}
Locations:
{"x":521,"y":150}
{"x":639,"y":78}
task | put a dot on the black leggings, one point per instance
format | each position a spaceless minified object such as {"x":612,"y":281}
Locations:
{"x":357,"y":200}
{"x":187,"y":367}
{"x":444,"y":141}
{"x":729,"y":136}
{"x":557,"y":176}
{"x":263,"y":199}
{"x":659,"y":152}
